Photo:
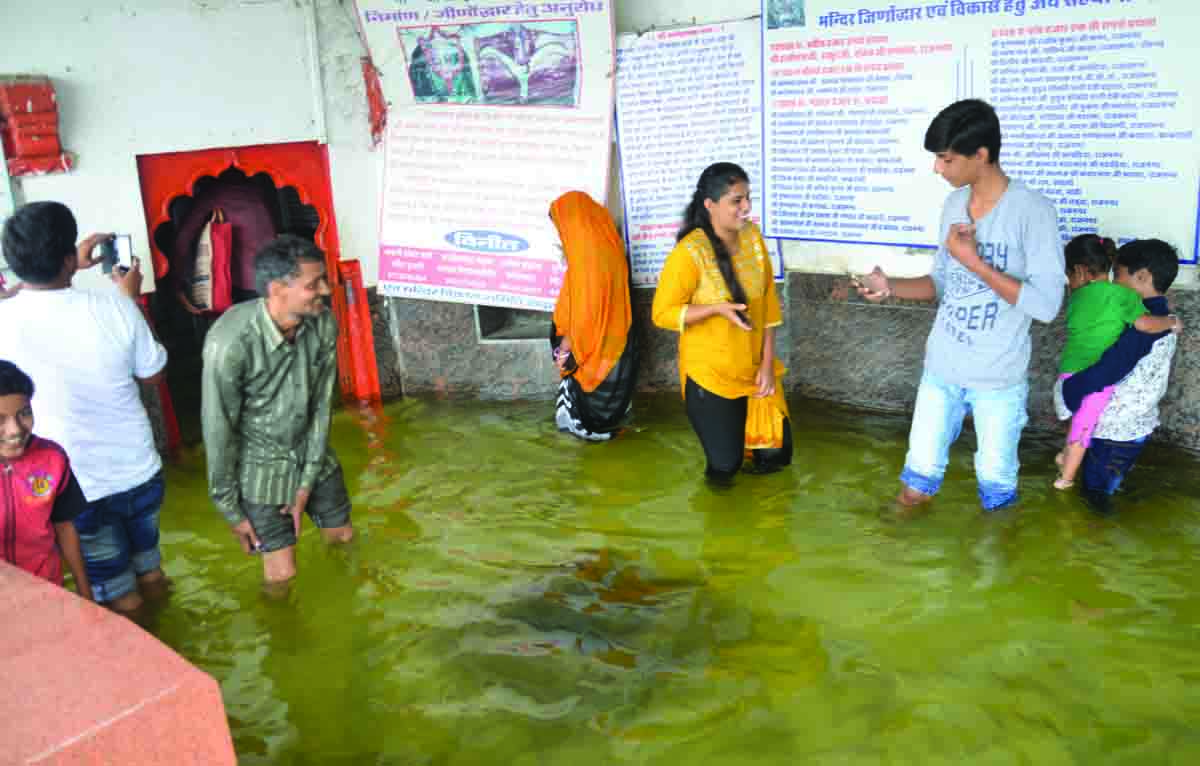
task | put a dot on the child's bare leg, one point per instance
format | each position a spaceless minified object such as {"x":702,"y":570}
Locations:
{"x":1072,"y":459}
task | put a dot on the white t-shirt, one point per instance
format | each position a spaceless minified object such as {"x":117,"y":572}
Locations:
{"x":83,"y":350}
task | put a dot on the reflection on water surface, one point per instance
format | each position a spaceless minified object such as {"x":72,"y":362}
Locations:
{"x":518,"y":597}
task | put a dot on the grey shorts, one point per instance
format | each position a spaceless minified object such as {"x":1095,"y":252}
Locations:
{"x":328,"y":507}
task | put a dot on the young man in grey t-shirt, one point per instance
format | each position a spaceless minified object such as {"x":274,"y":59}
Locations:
{"x":999,"y":265}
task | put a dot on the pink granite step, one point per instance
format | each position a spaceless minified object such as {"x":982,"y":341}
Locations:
{"x":80,"y":685}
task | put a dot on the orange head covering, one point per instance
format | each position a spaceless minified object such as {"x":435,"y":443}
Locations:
{"x":593,"y":304}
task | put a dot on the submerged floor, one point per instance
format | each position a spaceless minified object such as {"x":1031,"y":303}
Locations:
{"x":518,"y":597}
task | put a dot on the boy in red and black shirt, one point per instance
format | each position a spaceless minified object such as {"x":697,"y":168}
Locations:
{"x":39,"y":496}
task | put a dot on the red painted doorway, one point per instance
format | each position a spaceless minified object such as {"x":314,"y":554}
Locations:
{"x":301,"y":166}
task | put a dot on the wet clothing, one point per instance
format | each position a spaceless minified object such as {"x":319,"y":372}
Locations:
{"x":1105,"y":466}
{"x":119,"y":538}
{"x":328,"y":507}
{"x":720,"y":424}
{"x":593,"y":311}
{"x":719,"y":356}
{"x":37,"y":491}
{"x":977,"y":354}
{"x":598,"y":414}
{"x":265,"y":407}
{"x":999,"y":416}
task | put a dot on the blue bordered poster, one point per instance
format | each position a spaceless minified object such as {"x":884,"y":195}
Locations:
{"x":1097,"y":102}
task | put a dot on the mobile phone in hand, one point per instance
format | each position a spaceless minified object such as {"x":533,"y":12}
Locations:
{"x":116,"y":253}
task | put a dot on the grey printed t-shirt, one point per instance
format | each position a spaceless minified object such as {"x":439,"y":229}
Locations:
{"x":978,"y":339}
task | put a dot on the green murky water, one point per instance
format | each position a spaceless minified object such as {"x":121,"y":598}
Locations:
{"x":518,"y":597}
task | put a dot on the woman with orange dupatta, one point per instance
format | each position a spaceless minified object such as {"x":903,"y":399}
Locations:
{"x":717,"y":291}
{"x":593,"y":347}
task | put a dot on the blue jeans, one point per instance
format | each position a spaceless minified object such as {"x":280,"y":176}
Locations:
{"x":119,"y":538}
{"x":999,"y":416}
{"x":1107,"y":463}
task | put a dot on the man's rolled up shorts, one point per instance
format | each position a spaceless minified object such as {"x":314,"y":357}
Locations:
{"x":328,"y":507}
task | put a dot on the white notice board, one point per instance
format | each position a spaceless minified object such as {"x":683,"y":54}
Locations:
{"x":496,"y":109}
{"x":1097,"y":102}
{"x":686,"y":98}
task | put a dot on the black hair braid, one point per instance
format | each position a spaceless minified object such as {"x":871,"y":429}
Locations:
{"x":714,"y":182}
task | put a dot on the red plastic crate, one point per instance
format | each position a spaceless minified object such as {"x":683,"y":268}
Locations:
{"x":19,"y":144}
{"x":26,"y":94}
{"x":38,"y":122}
{"x":36,"y":166}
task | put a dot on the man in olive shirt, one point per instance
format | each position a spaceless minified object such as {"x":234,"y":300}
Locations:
{"x":269,"y":367}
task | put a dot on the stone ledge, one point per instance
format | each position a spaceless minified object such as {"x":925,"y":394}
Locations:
{"x":84,"y":685}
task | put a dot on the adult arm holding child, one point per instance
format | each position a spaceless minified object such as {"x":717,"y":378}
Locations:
{"x":1119,"y":359}
{"x":1146,"y":267}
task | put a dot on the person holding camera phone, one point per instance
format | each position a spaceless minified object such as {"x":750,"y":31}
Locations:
{"x":87,"y":351}
{"x":717,"y":291}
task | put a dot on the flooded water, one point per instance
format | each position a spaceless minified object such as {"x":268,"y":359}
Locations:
{"x":518,"y":597}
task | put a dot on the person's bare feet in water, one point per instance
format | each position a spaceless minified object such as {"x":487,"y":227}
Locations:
{"x":911,"y":498}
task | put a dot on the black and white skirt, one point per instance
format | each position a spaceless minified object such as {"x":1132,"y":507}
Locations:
{"x":598,"y":415}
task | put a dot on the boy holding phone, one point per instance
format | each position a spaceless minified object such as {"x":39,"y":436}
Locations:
{"x":116,"y":254}
{"x":89,"y":350}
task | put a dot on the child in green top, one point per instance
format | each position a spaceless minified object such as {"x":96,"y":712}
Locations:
{"x":1097,"y":314}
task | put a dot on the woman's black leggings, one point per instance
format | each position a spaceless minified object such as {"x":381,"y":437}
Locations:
{"x":721,"y":425}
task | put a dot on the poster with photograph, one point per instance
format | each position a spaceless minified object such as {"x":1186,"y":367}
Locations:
{"x":495,"y":109}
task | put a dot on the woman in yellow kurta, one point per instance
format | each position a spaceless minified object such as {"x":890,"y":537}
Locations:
{"x":717,"y":291}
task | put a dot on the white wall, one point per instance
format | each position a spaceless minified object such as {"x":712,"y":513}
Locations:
{"x":147,"y":76}
{"x":355,"y":166}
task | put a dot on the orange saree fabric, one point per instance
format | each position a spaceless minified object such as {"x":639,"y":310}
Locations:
{"x":593,"y":304}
